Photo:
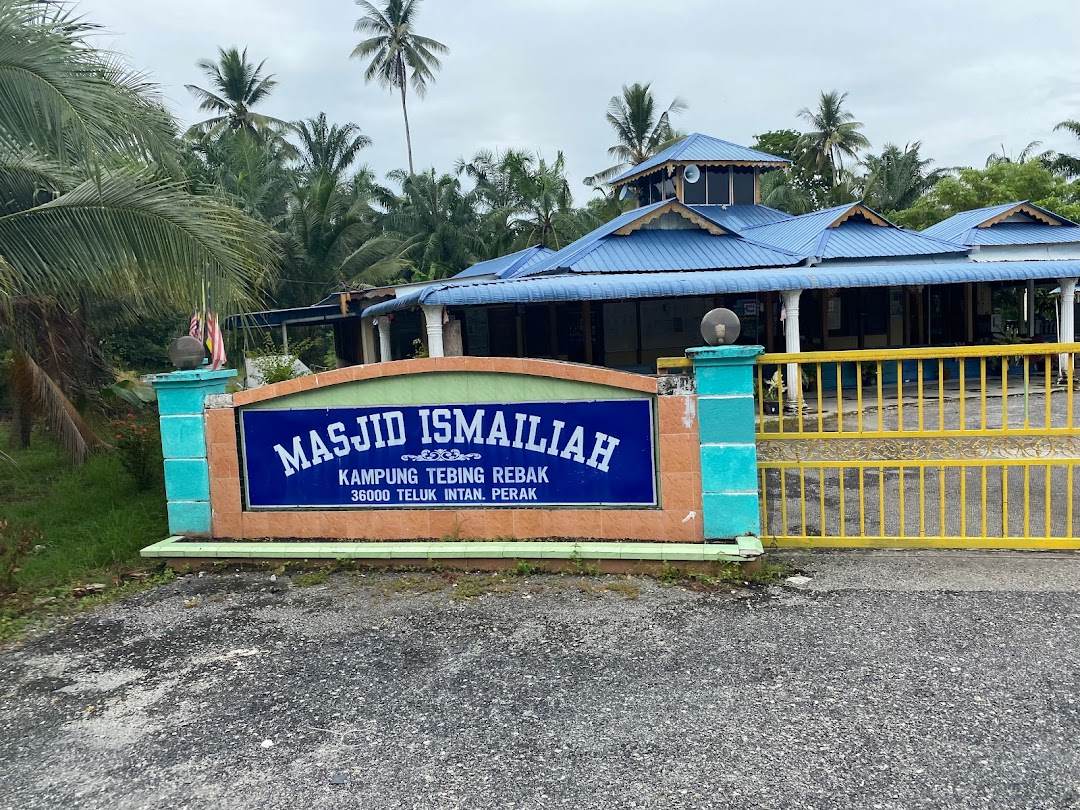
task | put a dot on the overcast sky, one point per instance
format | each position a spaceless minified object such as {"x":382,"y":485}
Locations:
{"x":963,"y":76}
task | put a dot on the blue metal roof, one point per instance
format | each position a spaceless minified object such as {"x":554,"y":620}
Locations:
{"x":798,"y":234}
{"x":811,"y":235}
{"x":324,"y":311}
{"x":704,"y":148}
{"x":740,"y":217}
{"x":568,"y":254}
{"x":657,"y":250}
{"x":664,"y":250}
{"x":509,"y":265}
{"x":861,"y":240}
{"x":1024,"y":233}
{"x":956,"y":227}
{"x":590,"y":287}
{"x":964,"y":227}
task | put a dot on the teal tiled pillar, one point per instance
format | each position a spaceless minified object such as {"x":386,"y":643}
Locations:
{"x":181,"y":396}
{"x":729,"y":479}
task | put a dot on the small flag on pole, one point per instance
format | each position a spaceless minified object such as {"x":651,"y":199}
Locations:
{"x":215,"y":344}
{"x":206,"y":330}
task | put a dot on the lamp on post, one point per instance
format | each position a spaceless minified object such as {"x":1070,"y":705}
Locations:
{"x":187,"y":353}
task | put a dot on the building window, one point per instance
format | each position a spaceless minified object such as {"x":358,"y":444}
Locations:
{"x":718,"y":189}
{"x":742,"y":183}
{"x":694,"y":193}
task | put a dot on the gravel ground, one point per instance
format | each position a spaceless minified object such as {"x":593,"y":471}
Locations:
{"x":895,"y":680}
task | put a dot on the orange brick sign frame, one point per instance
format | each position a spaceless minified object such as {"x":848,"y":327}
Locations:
{"x":678,"y":518}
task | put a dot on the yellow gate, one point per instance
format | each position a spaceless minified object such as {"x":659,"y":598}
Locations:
{"x":962,"y":447}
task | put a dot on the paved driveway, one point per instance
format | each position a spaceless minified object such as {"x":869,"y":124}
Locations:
{"x":897,"y":681}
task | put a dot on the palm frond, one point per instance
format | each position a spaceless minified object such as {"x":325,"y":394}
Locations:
{"x":208,"y":101}
{"x":380,"y":260}
{"x":60,"y":95}
{"x":1069,"y":125}
{"x":28,"y":179}
{"x":41,"y":395}
{"x":126,"y":233}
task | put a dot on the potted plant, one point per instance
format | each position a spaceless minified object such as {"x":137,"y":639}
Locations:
{"x":774,"y":389}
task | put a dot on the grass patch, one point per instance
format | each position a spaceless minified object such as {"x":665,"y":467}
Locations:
{"x":579,"y":566}
{"x":523,"y":568}
{"x":413,"y":584}
{"x":623,"y":587}
{"x":311,"y":578}
{"x":92,"y":524}
{"x":470,"y":586}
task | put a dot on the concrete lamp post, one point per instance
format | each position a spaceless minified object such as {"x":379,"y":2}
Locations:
{"x":181,"y":397}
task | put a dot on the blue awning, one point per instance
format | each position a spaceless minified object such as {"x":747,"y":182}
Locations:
{"x":325,"y":311}
{"x":620,"y":286}
{"x":407,"y":301}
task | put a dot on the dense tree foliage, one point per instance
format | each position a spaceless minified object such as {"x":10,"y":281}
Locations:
{"x":999,"y":183}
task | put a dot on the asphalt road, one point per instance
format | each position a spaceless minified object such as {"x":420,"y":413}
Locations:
{"x":897,"y":680}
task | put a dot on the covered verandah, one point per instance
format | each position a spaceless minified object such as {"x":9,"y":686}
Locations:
{"x":629,"y":319}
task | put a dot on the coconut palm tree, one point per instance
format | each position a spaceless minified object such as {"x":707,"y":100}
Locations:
{"x":436,"y":222}
{"x":328,"y":149}
{"x":547,"y":214}
{"x":398,"y":55}
{"x":253,"y":175}
{"x":237,"y":86}
{"x":94,"y":207}
{"x":897,"y":177}
{"x":835,"y":134}
{"x":1067,"y":165}
{"x":524,"y":200}
{"x":640,"y":131}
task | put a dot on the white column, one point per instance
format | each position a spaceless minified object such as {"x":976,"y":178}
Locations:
{"x":792,"y":344}
{"x":433,"y":318}
{"x":367,"y":342}
{"x":1029,"y":296}
{"x":384,"y":340}
{"x":284,"y":338}
{"x":1066,"y":325}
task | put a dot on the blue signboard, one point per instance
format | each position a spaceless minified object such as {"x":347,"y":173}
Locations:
{"x":584,"y":453}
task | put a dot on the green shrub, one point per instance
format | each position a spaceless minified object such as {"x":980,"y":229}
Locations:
{"x":274,"y":364}
{"x":138,"y":446}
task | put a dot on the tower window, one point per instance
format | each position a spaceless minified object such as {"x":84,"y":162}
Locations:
{"x":742,"y":185}
{"x":718,"y":189}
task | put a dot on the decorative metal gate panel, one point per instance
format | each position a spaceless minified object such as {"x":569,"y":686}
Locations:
{"x":962,"y":447}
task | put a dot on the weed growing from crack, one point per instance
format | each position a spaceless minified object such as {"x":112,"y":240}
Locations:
{"x":311,"y":578}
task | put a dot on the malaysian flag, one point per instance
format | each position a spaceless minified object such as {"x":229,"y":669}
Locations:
{"x":215,"y":344}
{"x":208,"y":332}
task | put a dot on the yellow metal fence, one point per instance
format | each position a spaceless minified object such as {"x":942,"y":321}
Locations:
{"x":964,"y":447}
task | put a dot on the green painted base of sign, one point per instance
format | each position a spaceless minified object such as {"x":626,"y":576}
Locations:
{"x":743,"y":550}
